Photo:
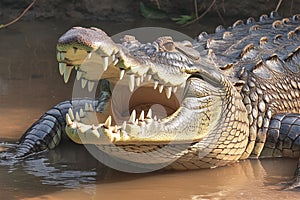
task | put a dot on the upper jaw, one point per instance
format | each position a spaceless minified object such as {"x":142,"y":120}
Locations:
{"x":91,"y":52}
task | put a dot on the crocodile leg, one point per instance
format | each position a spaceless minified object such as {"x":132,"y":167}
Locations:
{"x":47,"y":132}
{"x":283,"y":140}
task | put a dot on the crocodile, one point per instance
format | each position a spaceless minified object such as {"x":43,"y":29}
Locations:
{"x":225,"y":97}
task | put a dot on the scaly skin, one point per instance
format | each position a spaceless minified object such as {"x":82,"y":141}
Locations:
{"x":240,"y":93}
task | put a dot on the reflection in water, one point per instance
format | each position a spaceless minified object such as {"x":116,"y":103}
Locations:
{"x":68,"y":166}
{"x":49,"y":175}
{"x":30,"y":84}
{"x":71,"y":167}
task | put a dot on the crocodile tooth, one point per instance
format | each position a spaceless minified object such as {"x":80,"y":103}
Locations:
{"x":78,"y":75}
{"x":142,"y":78}
{"x":67,"y":73}
{"x":89,"y":55}
{"x":155,"y":118}
{"x":105,"y":62}
{"x":116,"y":61}
{"x":149,"y":76}
{"x":107,"y":123}
{"x":91,"y":108}
{"x":95,"y":133}
{"x":90,"y":85}
{"x":131,"y":82}
{"x":86,"y":107}
{"x":69,"y":120}
{"x":77,"y":117}
{"x":138,"y":81}
{"x":62,"y":67}
{"x":161,"y":87}
{"x":169,"y":92}
{"x":81,"y":113}
{"x":115,"y":130}
{"x":75,"y":50}
{"x":71,"y":114}
{"x":76,"y":67}
{"x":175,"y":89}
{"x":155,"y":85}
{"x":132,"y":117}
{"x":113,"y":56}
{"x":122,"y":72}
{"x":149,"y":114}
{"x":136,"y":122}
{"x":83,"y":83}
{"x":62,"y":55}
{"x":124,"y":125}
{"x":142,"y":116}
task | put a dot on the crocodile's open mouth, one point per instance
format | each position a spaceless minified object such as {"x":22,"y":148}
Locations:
{"x":138,"y":102}
{"x":143,"y":99}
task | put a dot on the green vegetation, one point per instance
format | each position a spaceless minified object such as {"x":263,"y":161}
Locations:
{"x":183,"y":19}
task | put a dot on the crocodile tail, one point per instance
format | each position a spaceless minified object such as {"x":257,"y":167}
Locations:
{"x":45,"y":133}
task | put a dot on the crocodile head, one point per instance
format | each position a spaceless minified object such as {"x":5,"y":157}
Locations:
{"x":167,"y":93}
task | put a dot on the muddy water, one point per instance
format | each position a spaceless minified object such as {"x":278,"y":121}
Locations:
{"x":30,"y":84}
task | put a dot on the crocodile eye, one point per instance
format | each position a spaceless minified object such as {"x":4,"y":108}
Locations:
{"x":165,"y":44}
{"x":169,"y":46}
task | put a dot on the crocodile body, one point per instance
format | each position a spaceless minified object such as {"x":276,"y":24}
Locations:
{"x":240,"y":94}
